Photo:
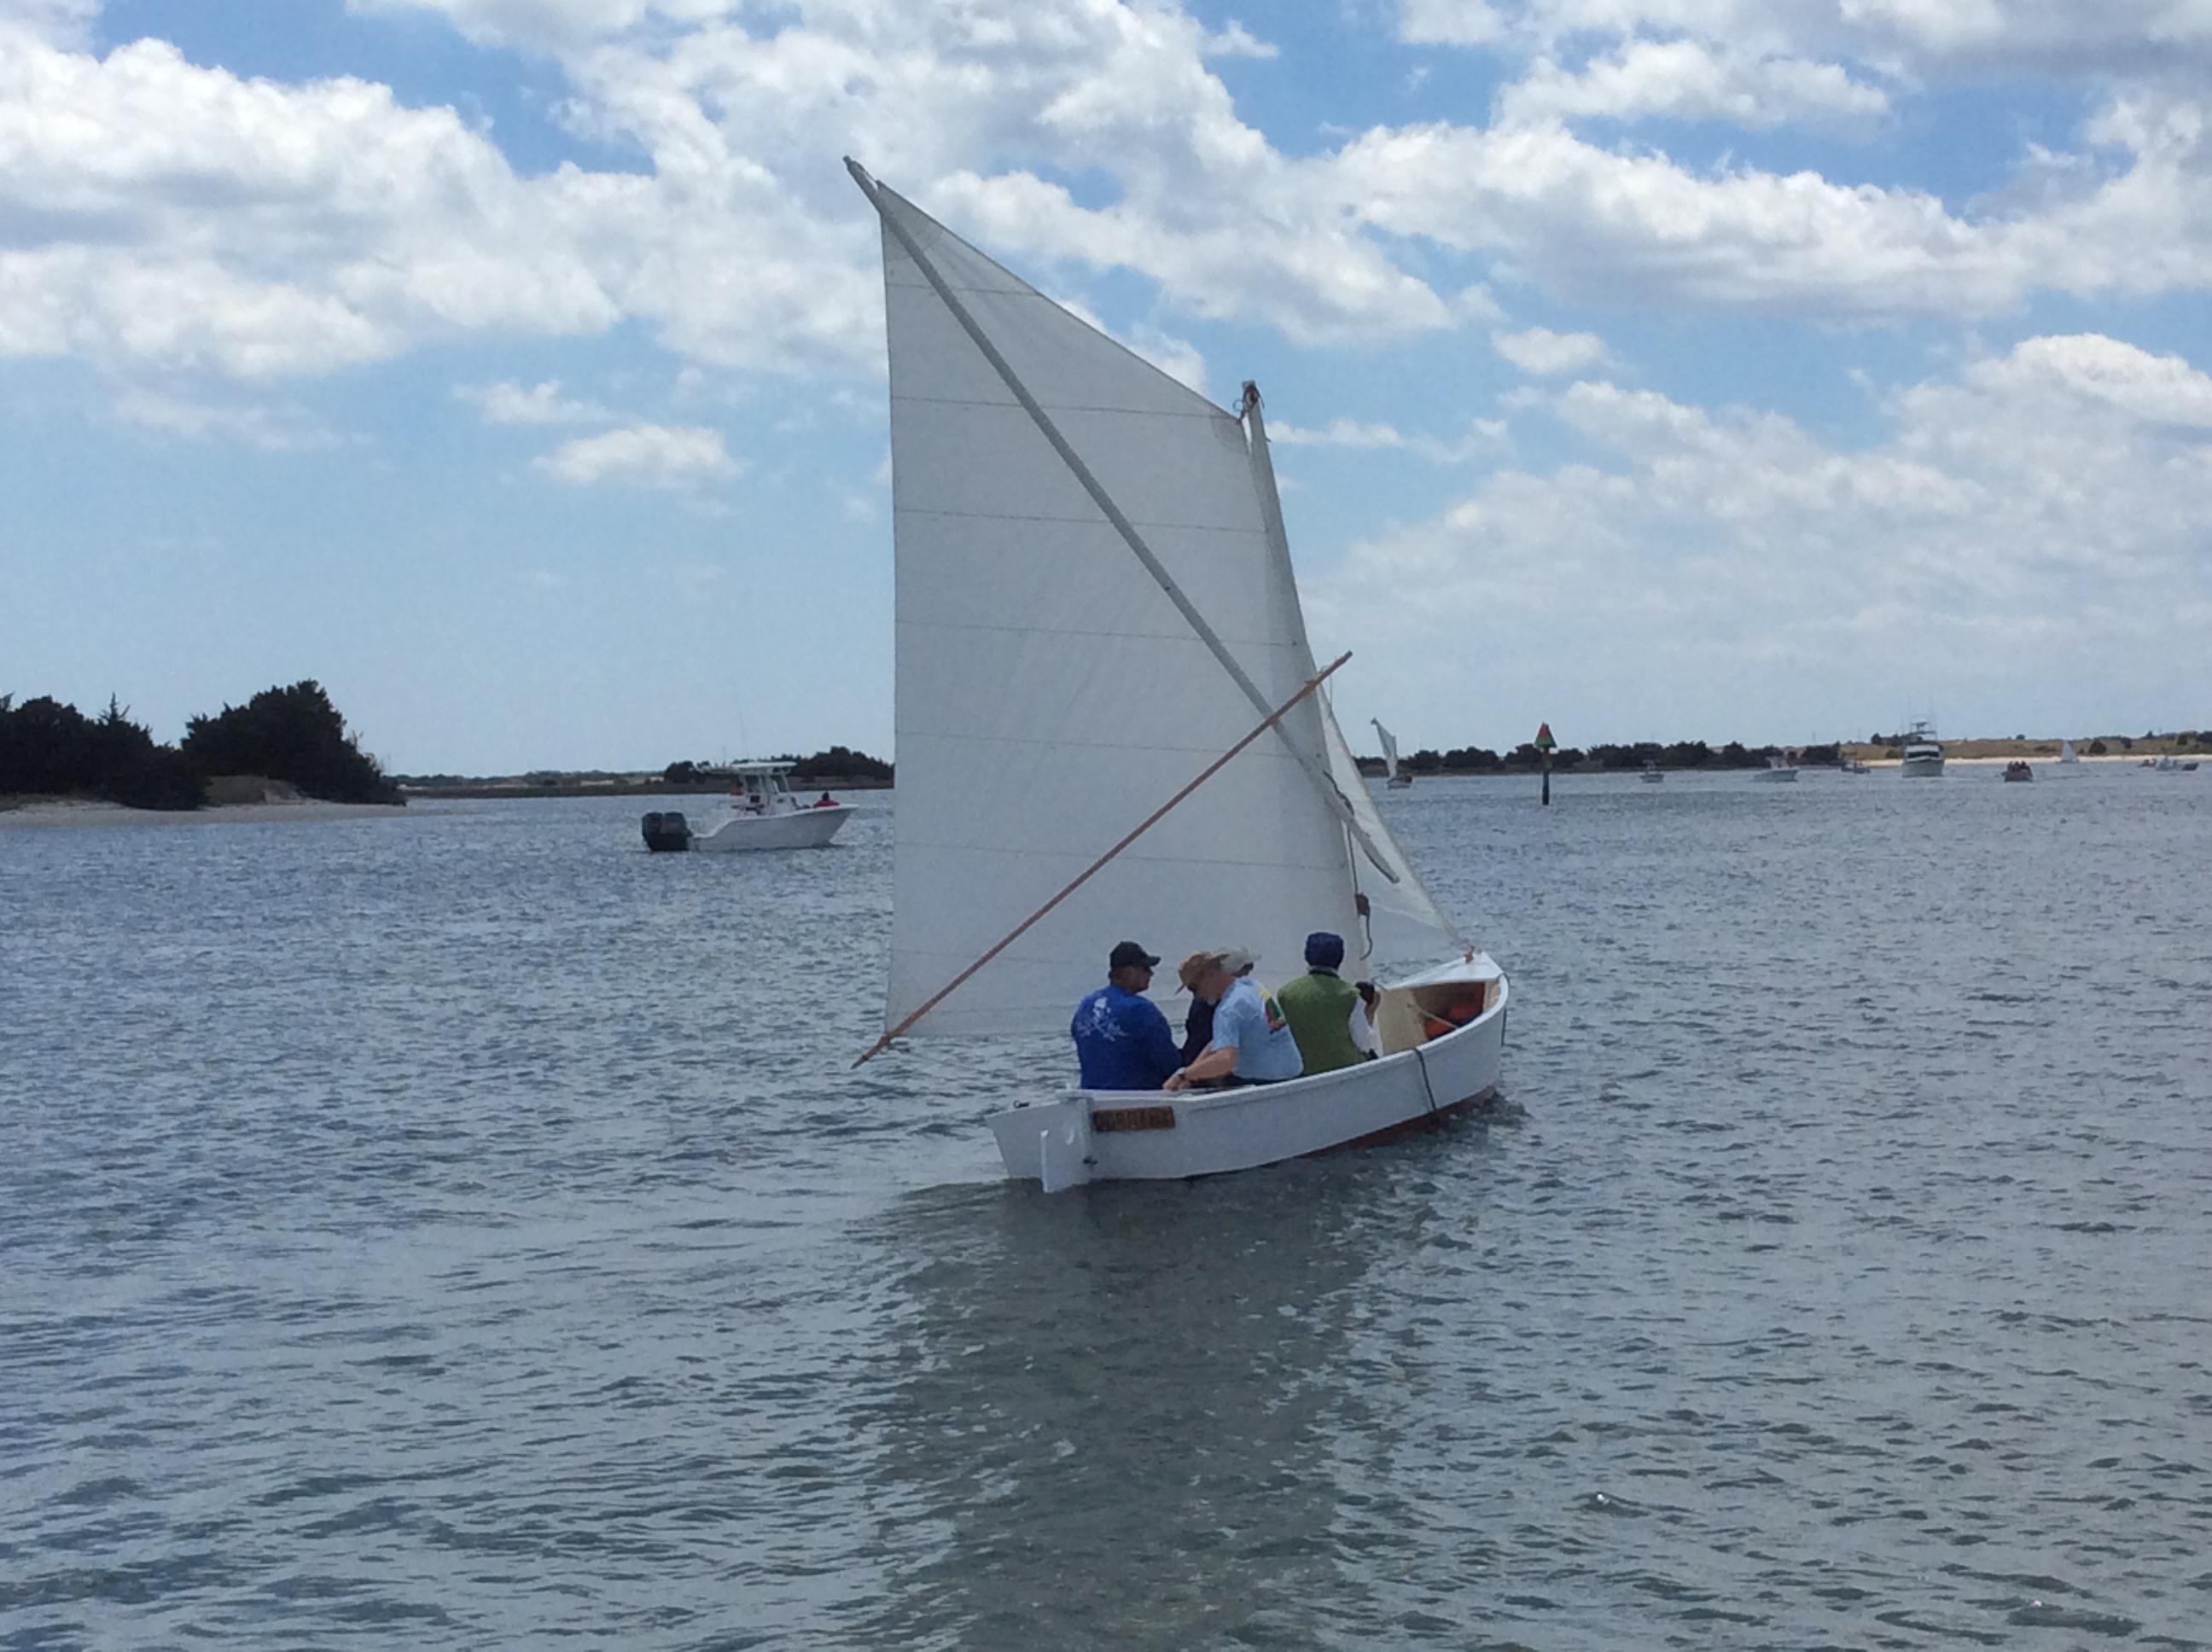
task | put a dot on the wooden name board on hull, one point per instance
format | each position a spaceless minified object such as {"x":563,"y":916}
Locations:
{"x":1132,"y":1118}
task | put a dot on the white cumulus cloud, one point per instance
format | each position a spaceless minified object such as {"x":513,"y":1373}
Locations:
{"x":1540,"y":351}
{"x":645,"y":455}
{"x":271,"y":430}
{"x":1687,"y":80}
{"x":508,"y":402}
{"x":2033,"y":523}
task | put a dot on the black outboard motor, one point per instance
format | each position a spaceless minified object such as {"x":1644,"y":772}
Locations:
{"x":664,"y":832}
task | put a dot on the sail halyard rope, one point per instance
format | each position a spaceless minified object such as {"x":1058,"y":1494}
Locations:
{"x":1338,"y":804}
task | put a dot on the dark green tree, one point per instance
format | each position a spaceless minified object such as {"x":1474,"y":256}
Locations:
{"x":292,"y":734}
{"x":840,"y":762}
{"x":47,"y":747}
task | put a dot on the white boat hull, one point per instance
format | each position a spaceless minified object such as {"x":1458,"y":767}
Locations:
{"x":800,"y":829}
{"x":1921,"y":767}
{"x":1778,"y":776}
{"x":1155,"y":1136}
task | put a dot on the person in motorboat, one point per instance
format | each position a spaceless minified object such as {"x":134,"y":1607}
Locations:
{"x":825,"y":801}
{"x":1121,"y":1039}
{"x":1320,"y":1006}
{"x":1252,"y":1043}
{"x":1198,"y":1025}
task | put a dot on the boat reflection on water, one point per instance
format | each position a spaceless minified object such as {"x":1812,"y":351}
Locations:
{"x":1111,"y":1419}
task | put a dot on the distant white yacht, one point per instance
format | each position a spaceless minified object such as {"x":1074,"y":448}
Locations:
{"x":1924,"y":753}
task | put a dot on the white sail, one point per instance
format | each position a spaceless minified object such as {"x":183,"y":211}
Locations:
{"x":1052,"y":691}
{"x":1389,"y":747}
{"x":2066,"y":752}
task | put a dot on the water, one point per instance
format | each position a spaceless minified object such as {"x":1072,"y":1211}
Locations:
{"x":467,"y":1230}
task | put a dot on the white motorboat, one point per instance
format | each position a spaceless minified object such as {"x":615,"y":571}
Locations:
{"x":1778,"y":769}
{"x":1390,"y":756}
{"x":1652,"y":774}
{"x":761,"y":812}
{"x":1064,"y":676}
{"x":1924,"y":753}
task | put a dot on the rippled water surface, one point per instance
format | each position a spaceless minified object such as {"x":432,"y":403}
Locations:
{"x":466,"y":1231}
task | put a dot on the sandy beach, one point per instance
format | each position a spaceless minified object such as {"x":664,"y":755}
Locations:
{"x":67,"y":812}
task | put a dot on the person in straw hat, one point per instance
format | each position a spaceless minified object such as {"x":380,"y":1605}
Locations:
{"x":1252,"y":1043}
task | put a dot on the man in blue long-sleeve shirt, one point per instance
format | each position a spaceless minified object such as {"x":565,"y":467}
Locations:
{"x":1121,"y":1037}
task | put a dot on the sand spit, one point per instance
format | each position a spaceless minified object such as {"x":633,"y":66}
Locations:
{"x":63,"y":812}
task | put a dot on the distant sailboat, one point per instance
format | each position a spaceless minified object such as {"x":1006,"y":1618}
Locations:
{"x":2066,"y":752}
{"x":1391,"y":755}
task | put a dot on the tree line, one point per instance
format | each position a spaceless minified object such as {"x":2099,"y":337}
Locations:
{"x":292,"y":734}
{"x":1682,"y":754}
{"x":837,"y":763}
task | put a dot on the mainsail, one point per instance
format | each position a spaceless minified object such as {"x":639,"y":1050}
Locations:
{"x":1061,"y":673}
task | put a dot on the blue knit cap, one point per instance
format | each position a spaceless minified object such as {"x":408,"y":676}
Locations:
{"x":1324,"y":950}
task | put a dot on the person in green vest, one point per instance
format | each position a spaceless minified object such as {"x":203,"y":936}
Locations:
{"x":1320,"y":1005}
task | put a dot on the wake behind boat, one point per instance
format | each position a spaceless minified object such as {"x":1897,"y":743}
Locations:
{"x":1107,"y":729}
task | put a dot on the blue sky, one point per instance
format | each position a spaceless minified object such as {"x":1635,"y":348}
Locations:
{"x":1666,"y":368}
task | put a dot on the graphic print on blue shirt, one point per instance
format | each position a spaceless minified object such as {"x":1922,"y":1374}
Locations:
{"x":1122,"y":1042}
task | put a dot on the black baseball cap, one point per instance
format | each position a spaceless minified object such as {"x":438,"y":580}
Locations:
{"x":1127,"y":955}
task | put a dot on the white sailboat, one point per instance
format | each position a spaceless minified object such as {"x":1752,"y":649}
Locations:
{"x":2067,"y":754}
{"x":1390,"y":755}
{"x":1096,"y":618}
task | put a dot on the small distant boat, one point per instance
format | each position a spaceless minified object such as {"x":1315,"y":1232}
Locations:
{"x":761,"y":813}
{"x":1391,"y":755}
{"x":1651,"y":774}
{"x":2170,"y":764}
{"x":1924,"y":753}
{"x":1852,"y":766}
{"x":2066,"y":752}
{"x":2017,"y":769}
{"x":1777,"y":768}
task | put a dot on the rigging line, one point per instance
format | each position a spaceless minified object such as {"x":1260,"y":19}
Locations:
{"x":1274,"y":717}
{"x":1334,"y":797}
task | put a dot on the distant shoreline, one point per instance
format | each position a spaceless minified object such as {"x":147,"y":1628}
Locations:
{"x":625,"y":786}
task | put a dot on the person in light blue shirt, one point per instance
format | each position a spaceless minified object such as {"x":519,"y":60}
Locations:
{"x":1121,"y":1039}
{"x":1252,"y":1043}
